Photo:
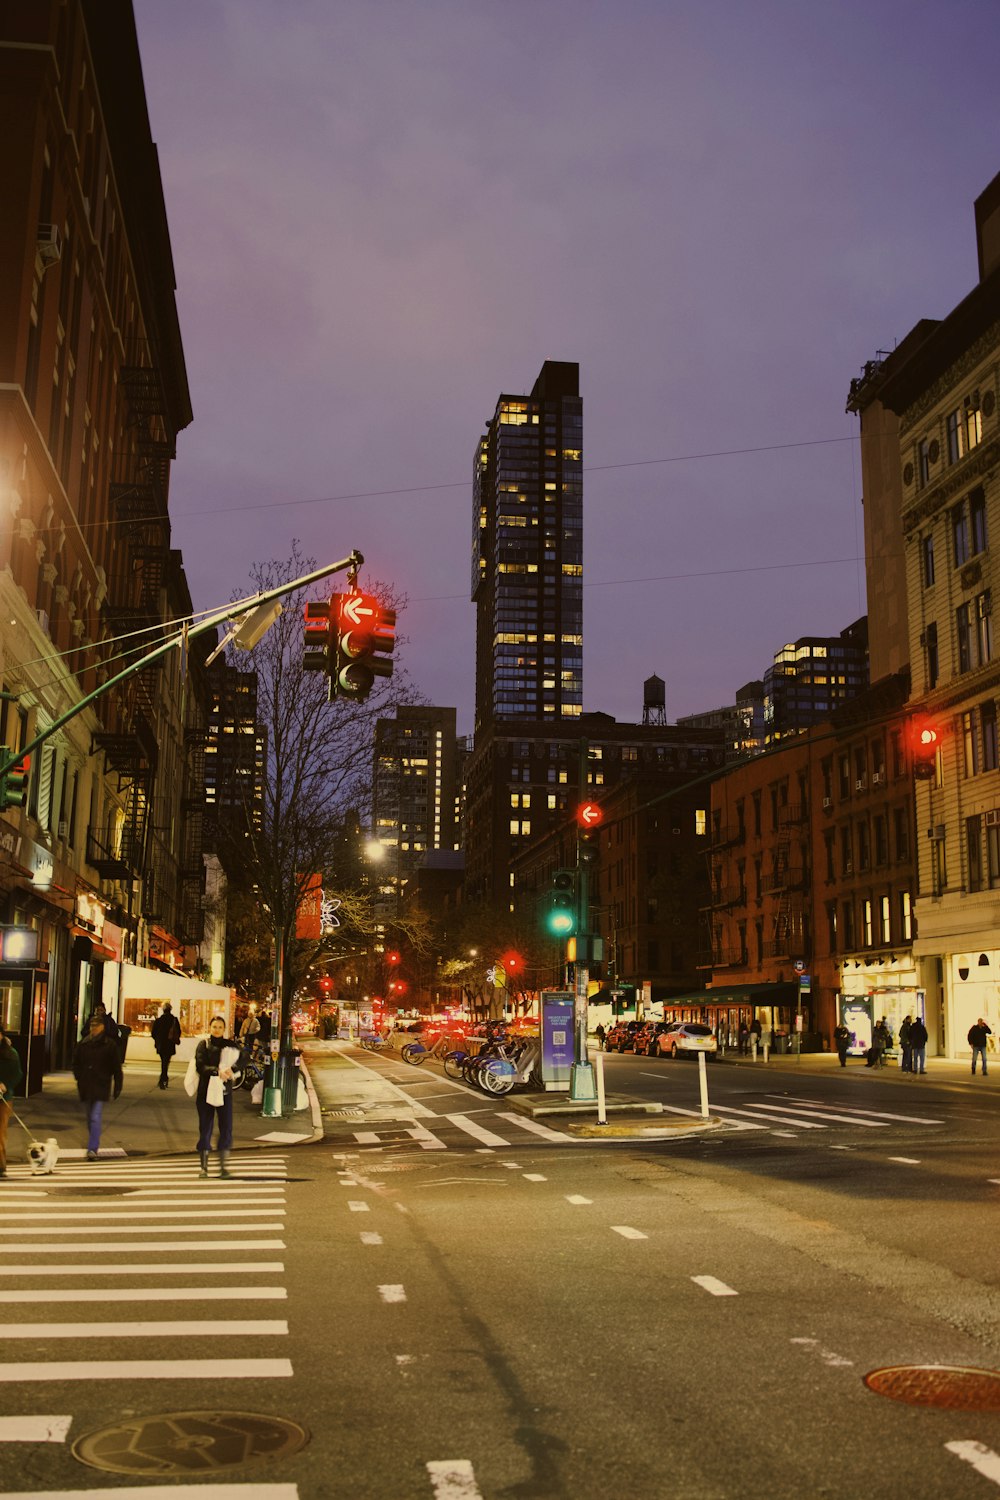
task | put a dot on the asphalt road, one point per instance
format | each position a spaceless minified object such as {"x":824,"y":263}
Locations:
{"x":538,"y":1317}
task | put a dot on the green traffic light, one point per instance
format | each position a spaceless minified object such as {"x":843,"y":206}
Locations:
{"x":561,"y":923}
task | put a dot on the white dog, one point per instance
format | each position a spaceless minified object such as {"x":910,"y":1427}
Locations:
{"x":43,"y":1155}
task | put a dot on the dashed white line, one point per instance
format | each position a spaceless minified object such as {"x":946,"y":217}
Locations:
{"x":369,"y":1237}
{"x":908,"y":1161}
{"x":714,"y":1286}
{"x":394,"y":1293}
{"x":578,"y":1198}
{"x":512,"y":1166}
{"x":34,"y":1429}
{"x":534,"y":1177}
{"x":982,"y":1459}
{"x":357,"y":1207}
{"x":454,"y":1479}
{"x":628,"y":1233}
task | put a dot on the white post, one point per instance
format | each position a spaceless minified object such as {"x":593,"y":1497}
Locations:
{"x":703,"y":1084}
{"x":602,"y":1108}
{"x":766,"y":1050}
{"x":753,"y":1046}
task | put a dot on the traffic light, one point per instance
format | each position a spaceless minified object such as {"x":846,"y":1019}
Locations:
{"x":366,"y":638}
{"x":560,"y":917}
{"x":14,"y":783}
{"x":317,"y":654}
{"x":926,"y":742}
{"x":512,"y":964}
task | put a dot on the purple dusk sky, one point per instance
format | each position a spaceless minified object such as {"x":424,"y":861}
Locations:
{"x":384,"y":214}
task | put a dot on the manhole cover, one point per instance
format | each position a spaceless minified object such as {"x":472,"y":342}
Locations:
{"x":188,"y":1442}
{"x":951,"y":1387}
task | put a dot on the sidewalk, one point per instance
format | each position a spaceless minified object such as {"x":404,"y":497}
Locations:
{"x":939,"y":1069}
{"x":147,"y":1120}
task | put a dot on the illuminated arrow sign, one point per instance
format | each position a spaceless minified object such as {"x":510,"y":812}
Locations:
{"x":357,"y":609}
{"x":589,"y":814}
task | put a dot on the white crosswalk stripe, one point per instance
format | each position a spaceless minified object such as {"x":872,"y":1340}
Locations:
{"x":52,"y":1227}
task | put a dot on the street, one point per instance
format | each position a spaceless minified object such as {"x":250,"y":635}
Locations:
{"x":445,"y":1299}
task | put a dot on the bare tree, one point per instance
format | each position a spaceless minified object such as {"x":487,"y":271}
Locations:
{"x":317,"y":765}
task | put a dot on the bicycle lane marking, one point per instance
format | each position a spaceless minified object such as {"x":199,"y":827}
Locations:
{"x":982,"y":1459}
{"x":453,"y":1479}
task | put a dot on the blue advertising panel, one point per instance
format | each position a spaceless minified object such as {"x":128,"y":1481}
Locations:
{"x":557,"y":1038}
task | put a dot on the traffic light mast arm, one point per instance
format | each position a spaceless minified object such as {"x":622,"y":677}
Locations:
{"x":187,"y":632}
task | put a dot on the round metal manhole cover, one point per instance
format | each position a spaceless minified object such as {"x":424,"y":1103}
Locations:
{"x":189,"y":1442}
{"x":950,"y":1387}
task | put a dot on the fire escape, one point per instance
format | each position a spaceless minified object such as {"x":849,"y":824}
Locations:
{"x":786,"y":882}
{"x":131,"y":613}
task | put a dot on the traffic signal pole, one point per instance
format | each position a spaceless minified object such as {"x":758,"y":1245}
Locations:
{"x":582,"y":1081}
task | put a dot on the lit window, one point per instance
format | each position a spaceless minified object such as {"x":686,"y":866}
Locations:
{"x":700,"y":821}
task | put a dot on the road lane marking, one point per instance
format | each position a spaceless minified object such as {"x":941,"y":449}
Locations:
{"x":759,"y":1114}
{"x":578,"y":1198}
{"x":425,"y":1139}
{"x":356,"y":1206}
{"x":172,"y":1268}
{"x":789,"y":1133}
{"x":369,"y":1237}
{"x":534,"y":1177}
{"x":714,"y":1286}
{"x":627,"y":1233}
{"x":453,"y":1479}
{"x":822,"y":1113}
{"x":982,"y":1459}
{"x":826,"y":1355}
{"x":34,"y":1429}
{"x":150,"y":1369}
{"x":695,"y":1114}
{"x":478,"y":1132}
{"x":180,"y":1328}
{"x":512,"y":1166}
{"x":366,"y":1137}
{"x":269,"y":1490}
{"x":109,"y":1247}
{"x":534,"y":1128}
{"x":154,"y":1294}
{"x":855,"y":1109}
{"x":394,"y":1293}
{"x":908,"y":1161}
{"x":29,"y":1218}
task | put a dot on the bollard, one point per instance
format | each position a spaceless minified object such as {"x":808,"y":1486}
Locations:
{"x":766,"y":1050}
{"x":753,"y":1047}
{"x":602,"y":1107}
{"x":703,"y":1084}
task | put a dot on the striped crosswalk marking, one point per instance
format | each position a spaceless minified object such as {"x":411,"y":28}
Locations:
{"x":879,"y":1114}
{"x":180,"y":1328}
{"x":148,"y":1369}
{"x":477,"y":1131}
{"x":37,"y":1429}
{"x":269,"y":1490}
{"x":694,"y":1114}
{"x":758,"y":1114}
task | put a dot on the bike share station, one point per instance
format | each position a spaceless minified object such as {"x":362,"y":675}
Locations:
{"x":557,"y":1033}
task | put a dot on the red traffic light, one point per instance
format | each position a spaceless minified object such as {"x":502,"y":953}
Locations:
{"x":589,"y":815}
{"x":925,"y":739}
{"x":512,"y":962}
{"x":366,"y":639}
{"x":392,"y":957}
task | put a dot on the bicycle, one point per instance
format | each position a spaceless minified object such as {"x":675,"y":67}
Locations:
{"x":375,"y":1041}
{"x":254,"y":1069}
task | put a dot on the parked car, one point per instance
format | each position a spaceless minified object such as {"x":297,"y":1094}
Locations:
{"x":619,"y":1038}
{"x":685,"y":1039}
{"x":647,"y":1040}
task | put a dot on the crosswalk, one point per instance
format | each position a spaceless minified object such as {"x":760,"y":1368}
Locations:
{"x":109,"y":1271}
{"x":486,"y":1130}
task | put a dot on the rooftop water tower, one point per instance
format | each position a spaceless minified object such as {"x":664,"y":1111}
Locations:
{"x":654,"y":701}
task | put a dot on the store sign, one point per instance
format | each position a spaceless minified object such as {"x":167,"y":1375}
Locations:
{"x":90,"y":912}
{"x":18,"y":945}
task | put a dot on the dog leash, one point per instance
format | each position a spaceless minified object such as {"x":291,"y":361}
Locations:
{"x":17,"y":1117}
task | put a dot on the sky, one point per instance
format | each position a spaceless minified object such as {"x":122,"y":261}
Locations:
{"x":385,"y":214}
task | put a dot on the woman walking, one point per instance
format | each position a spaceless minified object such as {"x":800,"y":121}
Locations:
{"x":96,"y":1066}
{"x":10,"y":1076}
{"x":219,"y":1063}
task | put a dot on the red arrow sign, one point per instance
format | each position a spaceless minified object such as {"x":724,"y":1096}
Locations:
{"x":354,"y":607}
{"x":589,"y":814}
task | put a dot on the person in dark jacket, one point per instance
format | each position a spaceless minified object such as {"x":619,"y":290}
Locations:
{"x":11,"y":1073}
{"x":842,"y":1041}
{"x":215,"y":1092}
{"x":977,"y":1041}
{"x":106,"y":1019}
{"x":918,"y":1045}
{"x":166,"y":1033}
{"x":906,"y":1061}
{"x":97,"y":1067}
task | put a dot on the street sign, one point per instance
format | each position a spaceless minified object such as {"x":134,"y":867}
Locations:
{"x":589,"y":814}
{"x":805,"y":984}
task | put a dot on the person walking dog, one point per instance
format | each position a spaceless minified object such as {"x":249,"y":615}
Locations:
{"x":96,"y":1067}
{"x":218,"y":1062}
{"x":166,"y":1032}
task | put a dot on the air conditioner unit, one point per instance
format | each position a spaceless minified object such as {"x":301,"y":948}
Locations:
{"x":877,"y":778}
{"x":861,"y":783}
{"x":827,"y":801}
{"x":63,"y":829}
{"x":49,"y":244}
{"x":991,"y":817}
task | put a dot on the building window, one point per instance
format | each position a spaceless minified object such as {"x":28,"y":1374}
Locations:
{"x":972,"y":421}
{"x":831,"y":925}
{"x":905,"y":916}
{"x":881,"y":840}
{"x":963,"y":630}
{"x":993,"y":855}
{"x":846,"y":857}
{"x":901,"y":820}
{"x":974,"y":852}
{"x":847,"y":923}
{"x":977,"y":521}
{"x":928,"y":559}
{"x":970,"y":746}
{"x":988,"y":728}
{"x":960,"y":538}
{"x":866,"y":908}
{"x":898,"y":758}
{"x":828,"y":839}
{"x":931,"y":655}
{"x":864,"y":847}
{"x":984,"y":627}
{"x":924,"y":461}
{"x":955,"y":446}
{"x":700,"y":822}
{"x":844,"y":773}
{"x":886,"y":920}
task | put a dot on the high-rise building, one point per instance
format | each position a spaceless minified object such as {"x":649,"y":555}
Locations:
{"x":415,"y":796}
{"x":527,"y":554}
{"x":811,"y":677}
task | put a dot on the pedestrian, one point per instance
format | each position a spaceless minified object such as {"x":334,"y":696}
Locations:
{"x":906,"y":1046}
{"x":884,"y":1040}
{"x":841,"y":1040}
{"x":756,"y":1034}
{"x":877,"y":1047}
{"x":977,"y":1041}
{"x":600,"y":1034}
{"x":166,"y":1031}
{"x":918,"y":1045}
{"x":743,"y":1039}
{"x":96,"y":1067}
{"x":100,"y":1013}
{"x":217,"y":1061}
{"x":11,"y":1074}
{"x":248,"y":1032}
{"x":264,"y":1034}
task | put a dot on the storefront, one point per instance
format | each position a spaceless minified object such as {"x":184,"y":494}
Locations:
{"x":889,"y":988}
{"x":24,"y":988}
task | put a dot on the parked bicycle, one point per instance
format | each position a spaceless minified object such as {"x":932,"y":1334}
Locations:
{"x":377,"y":1041}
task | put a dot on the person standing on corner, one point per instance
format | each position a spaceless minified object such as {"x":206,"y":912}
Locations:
{"x":96,"y":1066}
{"x":218,"y":1061}
{"x":166,"y":1033}
{"x":977,"y":1041}
{"x":906,"y":1060}
{"x":249,"y":1030}
{"x":11,"y":1074}
{"x":600,"y":1034}
{"x":841,"y":1040}
{"x":918,"y":1046}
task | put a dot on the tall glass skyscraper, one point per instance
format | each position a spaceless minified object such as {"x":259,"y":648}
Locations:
{"x":527,"y":555}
